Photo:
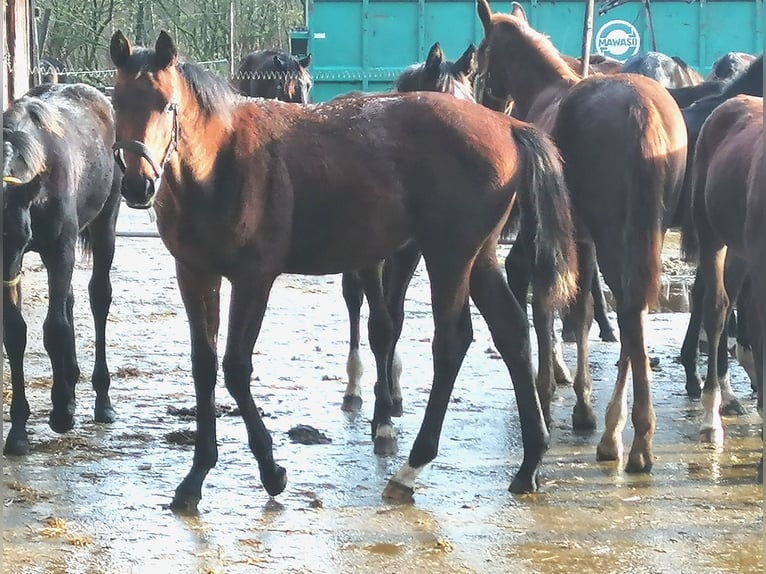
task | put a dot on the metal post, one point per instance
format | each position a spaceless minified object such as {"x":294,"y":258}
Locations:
{"x":231,"y":39}
{"x":587,"y":37}
{"x":650,"y":24}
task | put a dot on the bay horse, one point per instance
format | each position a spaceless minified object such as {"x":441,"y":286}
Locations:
{"x":669,"y":71}
{"x":59,"y":182}
{"x":596,"y":62}
{"x":274,"y":74}
{"x":623,"y":142}
{"x":750,"y":82}
{"x":436,"y":74}
{"x":725,"y":156}
{"x":329,"y":188}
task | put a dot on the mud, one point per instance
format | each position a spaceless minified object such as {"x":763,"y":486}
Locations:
{"x":95,"y":500}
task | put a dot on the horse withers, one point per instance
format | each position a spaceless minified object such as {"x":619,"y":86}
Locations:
{"x":330,"y":188}
{"x":59,"y":183}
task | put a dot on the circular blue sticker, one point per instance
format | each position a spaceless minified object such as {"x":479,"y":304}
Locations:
{"x":618,"y":39}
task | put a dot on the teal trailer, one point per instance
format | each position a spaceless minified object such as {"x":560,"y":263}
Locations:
{"x":364,"y":44}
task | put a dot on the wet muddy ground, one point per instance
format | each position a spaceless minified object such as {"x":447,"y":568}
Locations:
{"x":95,"y":500}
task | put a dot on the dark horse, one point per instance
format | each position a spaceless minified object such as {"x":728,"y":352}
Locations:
{"x":726,"y":70}
{"x":669,"y":71}
{"x":59,"y":182}
{"x":331,"y":188}
{"x":436,"y":74}
{"x":724,"y":159}
{"x":274,"y":74}
{"x":750,"y":82}
{"x":623,"y":143}
{"x":729,"y":65}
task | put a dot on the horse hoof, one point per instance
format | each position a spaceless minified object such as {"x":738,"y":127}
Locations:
{"x":61,"y":422}
{"x":104,"y":414}
{"x":276,"y":482}
{"x":397,"y":493}
{"x":607,"y":453}
{"x":351,"y":403}
{"x":185,"y":504}
{"x":583,"y":418}
{"x":608,"y":336}
{"x":397,"y":409}
{"x":732,"y":408}
{"x":711,"y":435}
{"x":693,"y":389}
{"x":385,"y":445}
{"x":524,"y":484}
{"x":638,"y":463}
{"x":16,"y":446}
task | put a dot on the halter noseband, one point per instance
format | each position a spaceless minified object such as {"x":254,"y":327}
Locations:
{"x":139,"y":148}
{"x":485,"y":91}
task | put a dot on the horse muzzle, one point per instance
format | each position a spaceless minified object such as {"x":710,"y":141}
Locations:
{"x":138,"y":191}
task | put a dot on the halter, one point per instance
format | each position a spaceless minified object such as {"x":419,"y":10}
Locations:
{"x":140,"y":148}
{"x":484,"y":91}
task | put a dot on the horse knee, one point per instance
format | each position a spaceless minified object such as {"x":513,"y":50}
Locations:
{"x":236,"y":372}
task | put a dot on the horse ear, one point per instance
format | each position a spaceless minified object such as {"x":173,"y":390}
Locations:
{"x":467,"y":62}
{"x":120,"y":49}
{"x":517,"y":10}
{"x":165,"y":52}
{"x":278,"y":63}
{"x":305,"y":62}
{"x":434,"y":59}
{"x":485,"y":14}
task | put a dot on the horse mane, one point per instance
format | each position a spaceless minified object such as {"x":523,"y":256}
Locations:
{"x":214,"y":95}
{"x":541,"y":44}
{"x":749,"y":82}
{"x":21,"y":122}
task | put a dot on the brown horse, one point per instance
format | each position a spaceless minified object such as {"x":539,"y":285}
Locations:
{"x":330,"y":188}
{"x":724,"y":179}
{"x":623,"y":141}
{"x":596,"y":62}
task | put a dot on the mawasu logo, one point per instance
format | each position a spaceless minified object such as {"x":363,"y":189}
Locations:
{"x":618,"y":39}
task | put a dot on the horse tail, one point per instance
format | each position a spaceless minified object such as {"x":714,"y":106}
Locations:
{"x":545,"y":203}
{"x":85,"y":242}
{"x":643,"y":233}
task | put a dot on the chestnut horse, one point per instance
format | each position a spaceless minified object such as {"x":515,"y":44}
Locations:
{"x":436,"y":74}
{"x":623,"y":142}
{"x":59,"y":184}
{"x":330,"y":188}
{"x":725,"y":157}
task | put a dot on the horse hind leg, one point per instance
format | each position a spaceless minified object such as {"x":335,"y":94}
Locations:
{"x":583,"y":415}
{"x":381,"y":329}
{"x":690,"y":346}
{"x":353,"y":295}
{"x":610,"y":446}
{"x":101,"y":233}
{"x":734,"y":277}
{"x":453,"y":334}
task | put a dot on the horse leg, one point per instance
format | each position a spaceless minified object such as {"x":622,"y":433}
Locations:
{"x":716,"y":303}
{"x":610,"y":446}
{"x":453,"y":334}
{"x":606,"y":331}
{"x":397,"y":274}
{"x":15,"y":338}
{"x":380,"y":330}
{"x":583,"y":416}
{"x":201,"y":296}
{"x":58,"y":337}
{"x":734,"y":276}
{"x":353,"y":296}
{"x":744,"y":347}
{"x":102,"y":235}
{"x":510,"y":334}
{"x":542,"y":318}
{"x":690,"y":346}
{"x":249,"y":298}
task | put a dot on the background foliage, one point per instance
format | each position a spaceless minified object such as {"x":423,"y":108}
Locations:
{"x":78,"y":31}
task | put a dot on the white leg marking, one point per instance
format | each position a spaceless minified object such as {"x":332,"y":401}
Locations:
{"x":396,"y":374}
{"x":711,"y":417}
{"x":355,"y":370}
{"x":407,"y":475}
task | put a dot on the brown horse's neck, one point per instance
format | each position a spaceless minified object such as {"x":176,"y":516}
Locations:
{"x":199,"y":133}
{"x":532,"y":67}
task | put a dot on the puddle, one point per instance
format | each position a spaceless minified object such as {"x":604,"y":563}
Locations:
{"x":94,"y":500}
